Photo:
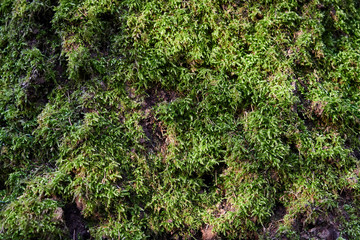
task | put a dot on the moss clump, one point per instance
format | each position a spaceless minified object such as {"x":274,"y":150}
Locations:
{"x":179,"y":119}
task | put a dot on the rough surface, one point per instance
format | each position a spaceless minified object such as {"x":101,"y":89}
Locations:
{"x":198,"y":119}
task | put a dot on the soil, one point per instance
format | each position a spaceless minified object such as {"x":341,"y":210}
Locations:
{"x":303,"y":106}
{"x":154,"y":133}
{"x":37,"y":88}
{"x":75,"y":223}
{"x":154,"y":130}
{"x":325,"y":227}
{"x":208,"y":234}
{"x":156,"y":95}
{"x":276,"y":219}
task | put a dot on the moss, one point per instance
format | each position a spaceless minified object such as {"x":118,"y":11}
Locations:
{"x":29,"y":218}
{"x":179,"y":119}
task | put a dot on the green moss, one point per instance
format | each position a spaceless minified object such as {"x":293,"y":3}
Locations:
{"x":29,"y":218}
{"x":163,"y":119}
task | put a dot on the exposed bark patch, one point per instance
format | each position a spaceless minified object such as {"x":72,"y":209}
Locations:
{"x":75,"y":223}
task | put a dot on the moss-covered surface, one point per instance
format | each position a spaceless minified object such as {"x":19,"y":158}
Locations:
{"x":196,"y":119}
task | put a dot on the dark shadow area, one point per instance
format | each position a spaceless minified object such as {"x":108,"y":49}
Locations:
{"x":209,"y":179}
{"x":154,"y":129}
{"x":270,"y":230}
{"x":75,"y":223}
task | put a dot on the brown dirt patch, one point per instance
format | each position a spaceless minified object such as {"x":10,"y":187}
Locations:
{"x":154,"y":132}
{"x":154,"y":129}
{"x":208,"y":234}
{"x":326,"y":226}
{"x":157,"y":95}
{"x":276,"y":219}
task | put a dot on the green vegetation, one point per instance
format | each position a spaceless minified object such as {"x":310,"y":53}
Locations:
{"x":197,"y":119}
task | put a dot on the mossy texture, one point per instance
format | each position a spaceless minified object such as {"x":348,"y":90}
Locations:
{"x":197,"y":119}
